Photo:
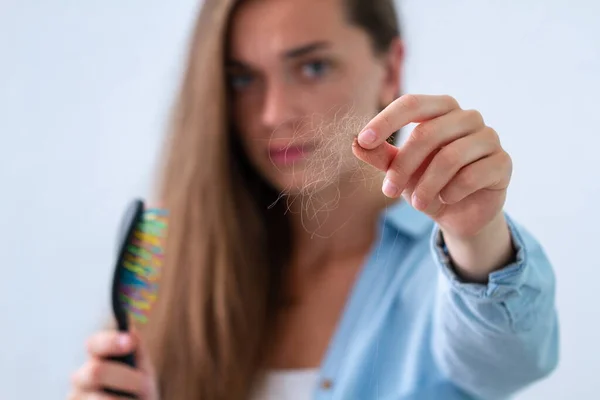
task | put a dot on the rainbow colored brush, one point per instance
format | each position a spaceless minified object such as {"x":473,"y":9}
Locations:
{"x":135,"y":280}
{"x":138,"y":283}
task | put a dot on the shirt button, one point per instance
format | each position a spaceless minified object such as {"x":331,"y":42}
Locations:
{"x":326,"y":384}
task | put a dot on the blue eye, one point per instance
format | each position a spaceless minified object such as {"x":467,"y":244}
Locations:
{"x":315,"y":69}
{"x":240,"y":81}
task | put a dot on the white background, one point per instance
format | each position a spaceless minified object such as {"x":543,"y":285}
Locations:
{"x":85,"y":88}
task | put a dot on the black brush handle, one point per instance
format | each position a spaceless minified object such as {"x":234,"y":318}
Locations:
{"x":120,"y":394}
{"x":128,"y":359}
{"x":130,"y":219}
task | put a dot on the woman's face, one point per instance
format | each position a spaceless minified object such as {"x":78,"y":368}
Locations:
{"x":298,"y":69}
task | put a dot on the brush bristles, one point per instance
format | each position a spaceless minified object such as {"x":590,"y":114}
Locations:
{"x":143,"y":260}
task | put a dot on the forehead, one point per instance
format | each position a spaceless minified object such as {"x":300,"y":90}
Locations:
{"x":262,"y":27}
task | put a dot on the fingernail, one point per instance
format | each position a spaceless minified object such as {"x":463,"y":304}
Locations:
{"x":124,"y":341}
{"x":367,"y":137}
{"x":390,"y":189}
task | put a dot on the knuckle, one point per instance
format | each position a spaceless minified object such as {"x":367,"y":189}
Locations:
{"x":78,"y":377}
{"x":421,"y":133}
{"x":508,"y":159}
{"x":411,"y":101}
{"x":467,"y":180}
{"x":493,"y":135}
{"x":424,"y":192}
{"x":474,"y":117}
{"x":90,"y":343}
{"x":400,"y":169}
{"x":95,"y":371}
{"x":507,"y":162}
{"x":449,"y":158}
{"x":450,"y":100}
{"x":103,"y":343}
{"x":95,"y":341}
{"x":385,"y":120}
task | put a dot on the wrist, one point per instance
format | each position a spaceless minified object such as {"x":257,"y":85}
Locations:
{"x":475,"y":257}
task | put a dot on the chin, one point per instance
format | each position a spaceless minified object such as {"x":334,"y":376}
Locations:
{"x":309,"y":178}
{"x":288,"y":183}
{"x":303,"y":183}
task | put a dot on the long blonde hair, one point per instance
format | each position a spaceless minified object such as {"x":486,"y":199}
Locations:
{"x":226,"y":251}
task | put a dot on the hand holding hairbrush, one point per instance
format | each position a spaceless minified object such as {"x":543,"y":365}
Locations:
{"x":135,"y":280}
{"x":118,"y":362}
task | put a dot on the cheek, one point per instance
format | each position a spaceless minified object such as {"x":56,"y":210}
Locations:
{"x":241,"y":109}
{"x":245,"y":118}
{"x":359,"y":93}
{"x":335,"y":100}
{"x":367,"y":95}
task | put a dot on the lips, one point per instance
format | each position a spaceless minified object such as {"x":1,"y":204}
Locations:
{"x":290,"y":153}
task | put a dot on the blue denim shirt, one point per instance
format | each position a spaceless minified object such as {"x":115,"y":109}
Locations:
{"x":412,"y":330}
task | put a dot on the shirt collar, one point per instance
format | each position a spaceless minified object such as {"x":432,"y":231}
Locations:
{"x":408,"y":220}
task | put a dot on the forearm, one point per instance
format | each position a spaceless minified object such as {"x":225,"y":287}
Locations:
{"x":479,"y":349}
{"x":495,"y":338}
{"x":474,"y":258}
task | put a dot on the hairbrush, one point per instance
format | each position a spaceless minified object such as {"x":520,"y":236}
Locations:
{"x":135,"y":280}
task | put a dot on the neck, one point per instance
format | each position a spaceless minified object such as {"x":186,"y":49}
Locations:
{"x":338,"y":222}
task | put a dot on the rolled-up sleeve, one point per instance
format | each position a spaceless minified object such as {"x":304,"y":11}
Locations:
{"x":494,"y":339}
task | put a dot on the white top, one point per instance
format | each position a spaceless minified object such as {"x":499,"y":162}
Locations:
{"x":287,"y":385}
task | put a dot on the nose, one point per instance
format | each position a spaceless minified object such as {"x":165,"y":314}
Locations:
{"x":280,"y":105}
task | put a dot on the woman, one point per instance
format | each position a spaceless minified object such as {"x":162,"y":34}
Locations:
{"x":288,"y":268}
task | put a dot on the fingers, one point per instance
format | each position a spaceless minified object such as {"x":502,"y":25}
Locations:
{"x":426,"y":138}
{"x":97,"y":374}
{"x":450,"y":155}
{"x":404,"y":110}
{"x":435,"y":206}
{"x":110,"y":343}
{"x":380,"y":157}
{"x":100,"y":372}
{"x":447,"y":163}
{"x":488,"y":173}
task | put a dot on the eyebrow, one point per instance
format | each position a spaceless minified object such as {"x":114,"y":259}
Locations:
{"x":304,"y":50}
{"x":296,"y":52}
